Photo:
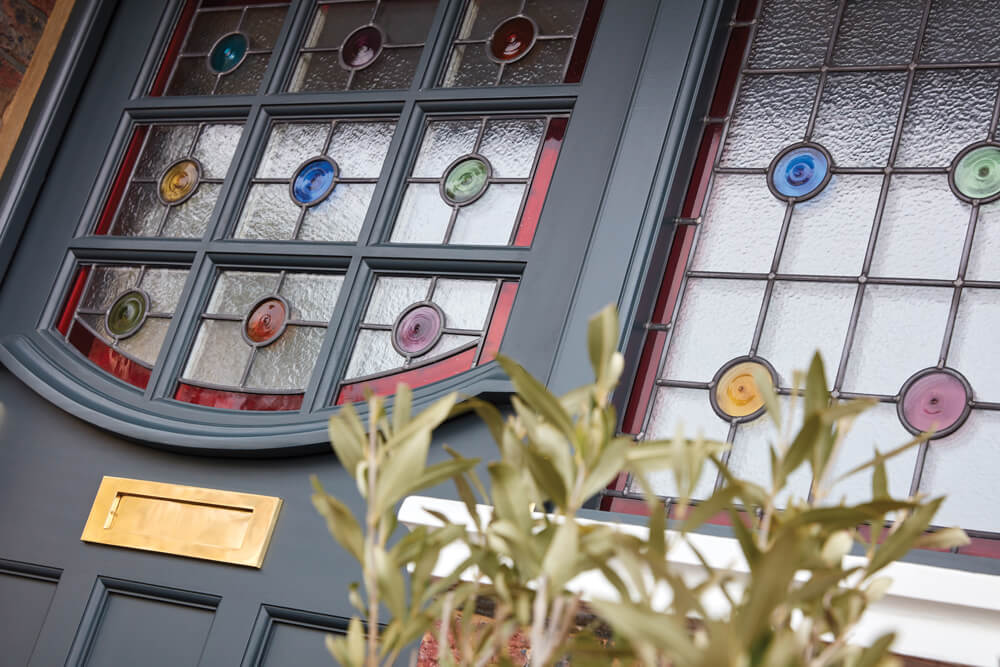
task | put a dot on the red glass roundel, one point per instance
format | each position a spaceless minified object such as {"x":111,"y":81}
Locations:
{"x":937,"y":400}
{"x":266,"y":321}
{"x":512,"y":39}
{"x":417,"y":330}
{"x":361,"y":47}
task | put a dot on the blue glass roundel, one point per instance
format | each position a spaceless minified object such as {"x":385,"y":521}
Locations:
{"x":228,"y":52}
{"x":314,"y":181}
{"x":800,"y":172}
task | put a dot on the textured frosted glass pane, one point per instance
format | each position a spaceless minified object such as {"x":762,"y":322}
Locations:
{"x":311,"y":296}
{"x":219,"y":355}
{"x":741,"y":225}
{"x":973,"y":344}
{"x":333,"y":23}
{"x":246,"y":78}
{"x":262,"y":25}
{"x":96,"y":324}
{"x":190,"y":219}
{"x":964,"y":467}
{"x":289,"y":146}
{"x":215,"y":148}
{"x":145,"y":343}
{"x":470,"y":66}
{"x":268,"y":214}
{"x":106,"y":283}
{"x":466,"y":303}
{"x":555,"y":17}
{"x":690,"y":410}
{"x":544,"y":63}
{"x":877,"y":427}
{"x":393,"y":69}
{"x":319,"y":71}
{"x":360,"y":148}
{"x":373,"y":353}
{"x":899,"y":331}
{"x":960,"y":31}
{"x":446,"y":344}
{"x":923,"y":229}
{"x":828,"y":234}
{"x":392,"y":295}
{"x":236,"y":291}
{"x":750,"y":458}
{"x":288,"y":362}
{"x":165,"y":144}
{"x":948,"y":110}
{"x":191,"y":77}
{"x":771,"y":113}
{"x":986,"y":245}
{"x":490,"y":219}
{"x":423,"y":216}
{"x":804,"y":317}
{"x":510,"y":146}
{"x":793,"y":33}
{"x":443,"y":142}
{"x":208,"y":27}
{"x":482,"y":16}
{"x":139,"y":213}
{"x":406,"y":21}
{"x":715,"y":324}
{"x":883,"y":32}
{"x":340,"y":216}
{"x":858,"y":115}
{"x":164,"y":288}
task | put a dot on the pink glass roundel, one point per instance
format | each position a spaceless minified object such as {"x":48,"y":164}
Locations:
{"x":418,"y":330}
{"x":935,"y":401}
{"x":361,"y":47}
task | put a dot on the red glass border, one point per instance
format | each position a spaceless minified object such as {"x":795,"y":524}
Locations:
{"x":236,"y":400}
{"x":498,"y":323}
{"x":540,"y":182}
{"x":75,"y":294}
{"x":173,"y":48}
{"x":584,"y":39}
{"x":107,"y":358}
{"x":122,"y":179}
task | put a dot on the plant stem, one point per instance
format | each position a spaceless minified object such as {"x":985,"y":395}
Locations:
{"x":371,"y":581}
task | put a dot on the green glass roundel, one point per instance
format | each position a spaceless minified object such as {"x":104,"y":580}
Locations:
{"x":127,"y":313}
{"x":466,"y":180}
{"x":228,"y":52}
{"x":977,"y":174}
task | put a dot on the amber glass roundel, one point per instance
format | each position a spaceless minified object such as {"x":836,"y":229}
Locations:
{"x":361,"y":47}
{"x":466,"y":180}
{"x":266,"y":321}
{"x":934,"y":400}
{"x":418,"y":329}
{"x":127,"y":314}
{"x":512,"y":39}
{"x":179,"y":181}
{"x":976,"y":173}
{"x":736,"y":392}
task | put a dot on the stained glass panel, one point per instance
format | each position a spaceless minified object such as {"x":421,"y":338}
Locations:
{"x":315,"y":180}
{"x":169,"y":180}
{"x":420,"y":329}
{"x":363,"y":45}
{"x":259,"y":339}
{"x":479,"y":181}
{"x":220,"y":48}
{"x":517,"y":42}
{"x":118,"y":315}
{"x":841,"y":201}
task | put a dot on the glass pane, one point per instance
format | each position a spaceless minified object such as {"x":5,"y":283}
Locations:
{"x":883,"y":32}
{"x":544,"y":64}
{"x":332,"y":23}
{"x":106,"y":283}
{"x":741,"y":226}
{"x":287,"y":363}
{"x":975,"y":334}
{"x":801,"y":318}
{"x":373,"y":353}
{"x":262,"y":25}
{"x":793,"y":33}
{"x":311,"y":296}
{"x":393,"y":69}
{"x":406,"y":21}
{"x":750,"y":456}
{"x":164,"y":287}
{"x":986,"y":245}
{"x":392,"y":295}
{"x":269,"y":213}
{"x":715,"y":324}
{"x":466,"y":303}
{"x":190,"y":219}
{"x":923,"y":229}
{"x":141,"y":212}
{"x":959,"y":31}
{"x":340,"y":216}
{"x":829,"y":234}
{"x":858,"y":115}
{"x":219,"y":356}
{"x":236,"y":291}
{"x":318,"y":71}
{"x":772,"y":112}
{"x":216,"y":147}
{"x":899,"y":331}
{"x":360,"y":148}
{"x":482,"y":16}
{"x":491,"y":219}
{"x":423,"y":216}
{"x":145,"y":344}
{"x":289,"y":146}
{"x":446,"y":344}
{"x":165,"y":144}
{"x":511,"y":145}
{"x":444,"y":141}
{"x":555,"y":17}
{"x":470,"y":66}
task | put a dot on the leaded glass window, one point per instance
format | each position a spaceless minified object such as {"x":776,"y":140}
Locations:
{"x":843,"y":198}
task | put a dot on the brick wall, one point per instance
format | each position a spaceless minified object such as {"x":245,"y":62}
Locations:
{"x":21,"y":26}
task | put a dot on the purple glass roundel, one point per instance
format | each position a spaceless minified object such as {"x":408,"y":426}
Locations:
{"x":418,"y":329}
{"x":937,"y":400}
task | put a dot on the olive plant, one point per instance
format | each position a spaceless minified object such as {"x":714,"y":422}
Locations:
{"x":796,"y":605}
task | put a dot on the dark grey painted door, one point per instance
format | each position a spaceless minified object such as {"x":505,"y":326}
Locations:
{"x":63,"y":601}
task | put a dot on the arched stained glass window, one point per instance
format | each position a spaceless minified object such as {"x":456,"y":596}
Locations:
{"x":842,"y":198}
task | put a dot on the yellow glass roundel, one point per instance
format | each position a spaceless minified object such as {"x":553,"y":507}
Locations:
{"x":179,"y":181}
{"x":736,"y":393}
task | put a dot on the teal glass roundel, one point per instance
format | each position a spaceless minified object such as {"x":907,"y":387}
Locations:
{"x":977,"y":174}
{"x":314,"y":181}
{"x":466,"y":180}
{"x":800,"y":172}
{"x":228,"y":52}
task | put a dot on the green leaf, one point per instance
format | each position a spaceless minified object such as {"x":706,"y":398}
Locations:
{"x":884,"y":457}
{"x":765,"y":385}
{"x":547,"y":478}
{"x":802,"y":446}
{"x":945,"y":538}
{"x":487,"y":412}
{"x":609,"y":463}
{"x":816,"y":395}
{"x":401,"y":405}
{"x":537,"y":397}
{"x":347,"y":437}
{"x":436,"y":474}
{"x":873,"y":655}
{"x":640,"y":625}
{"x":510,"y":499}
{"x":744,"y":537}
{"x":340,"y":521}
{"x":880,"y":482}
{"x":391,"y":587}
{"x":899,"y":542}
{"x":658,"y":532}
{"x":708,"y":508}
{"x":602,"y":344}
{"x":561,"y":554}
